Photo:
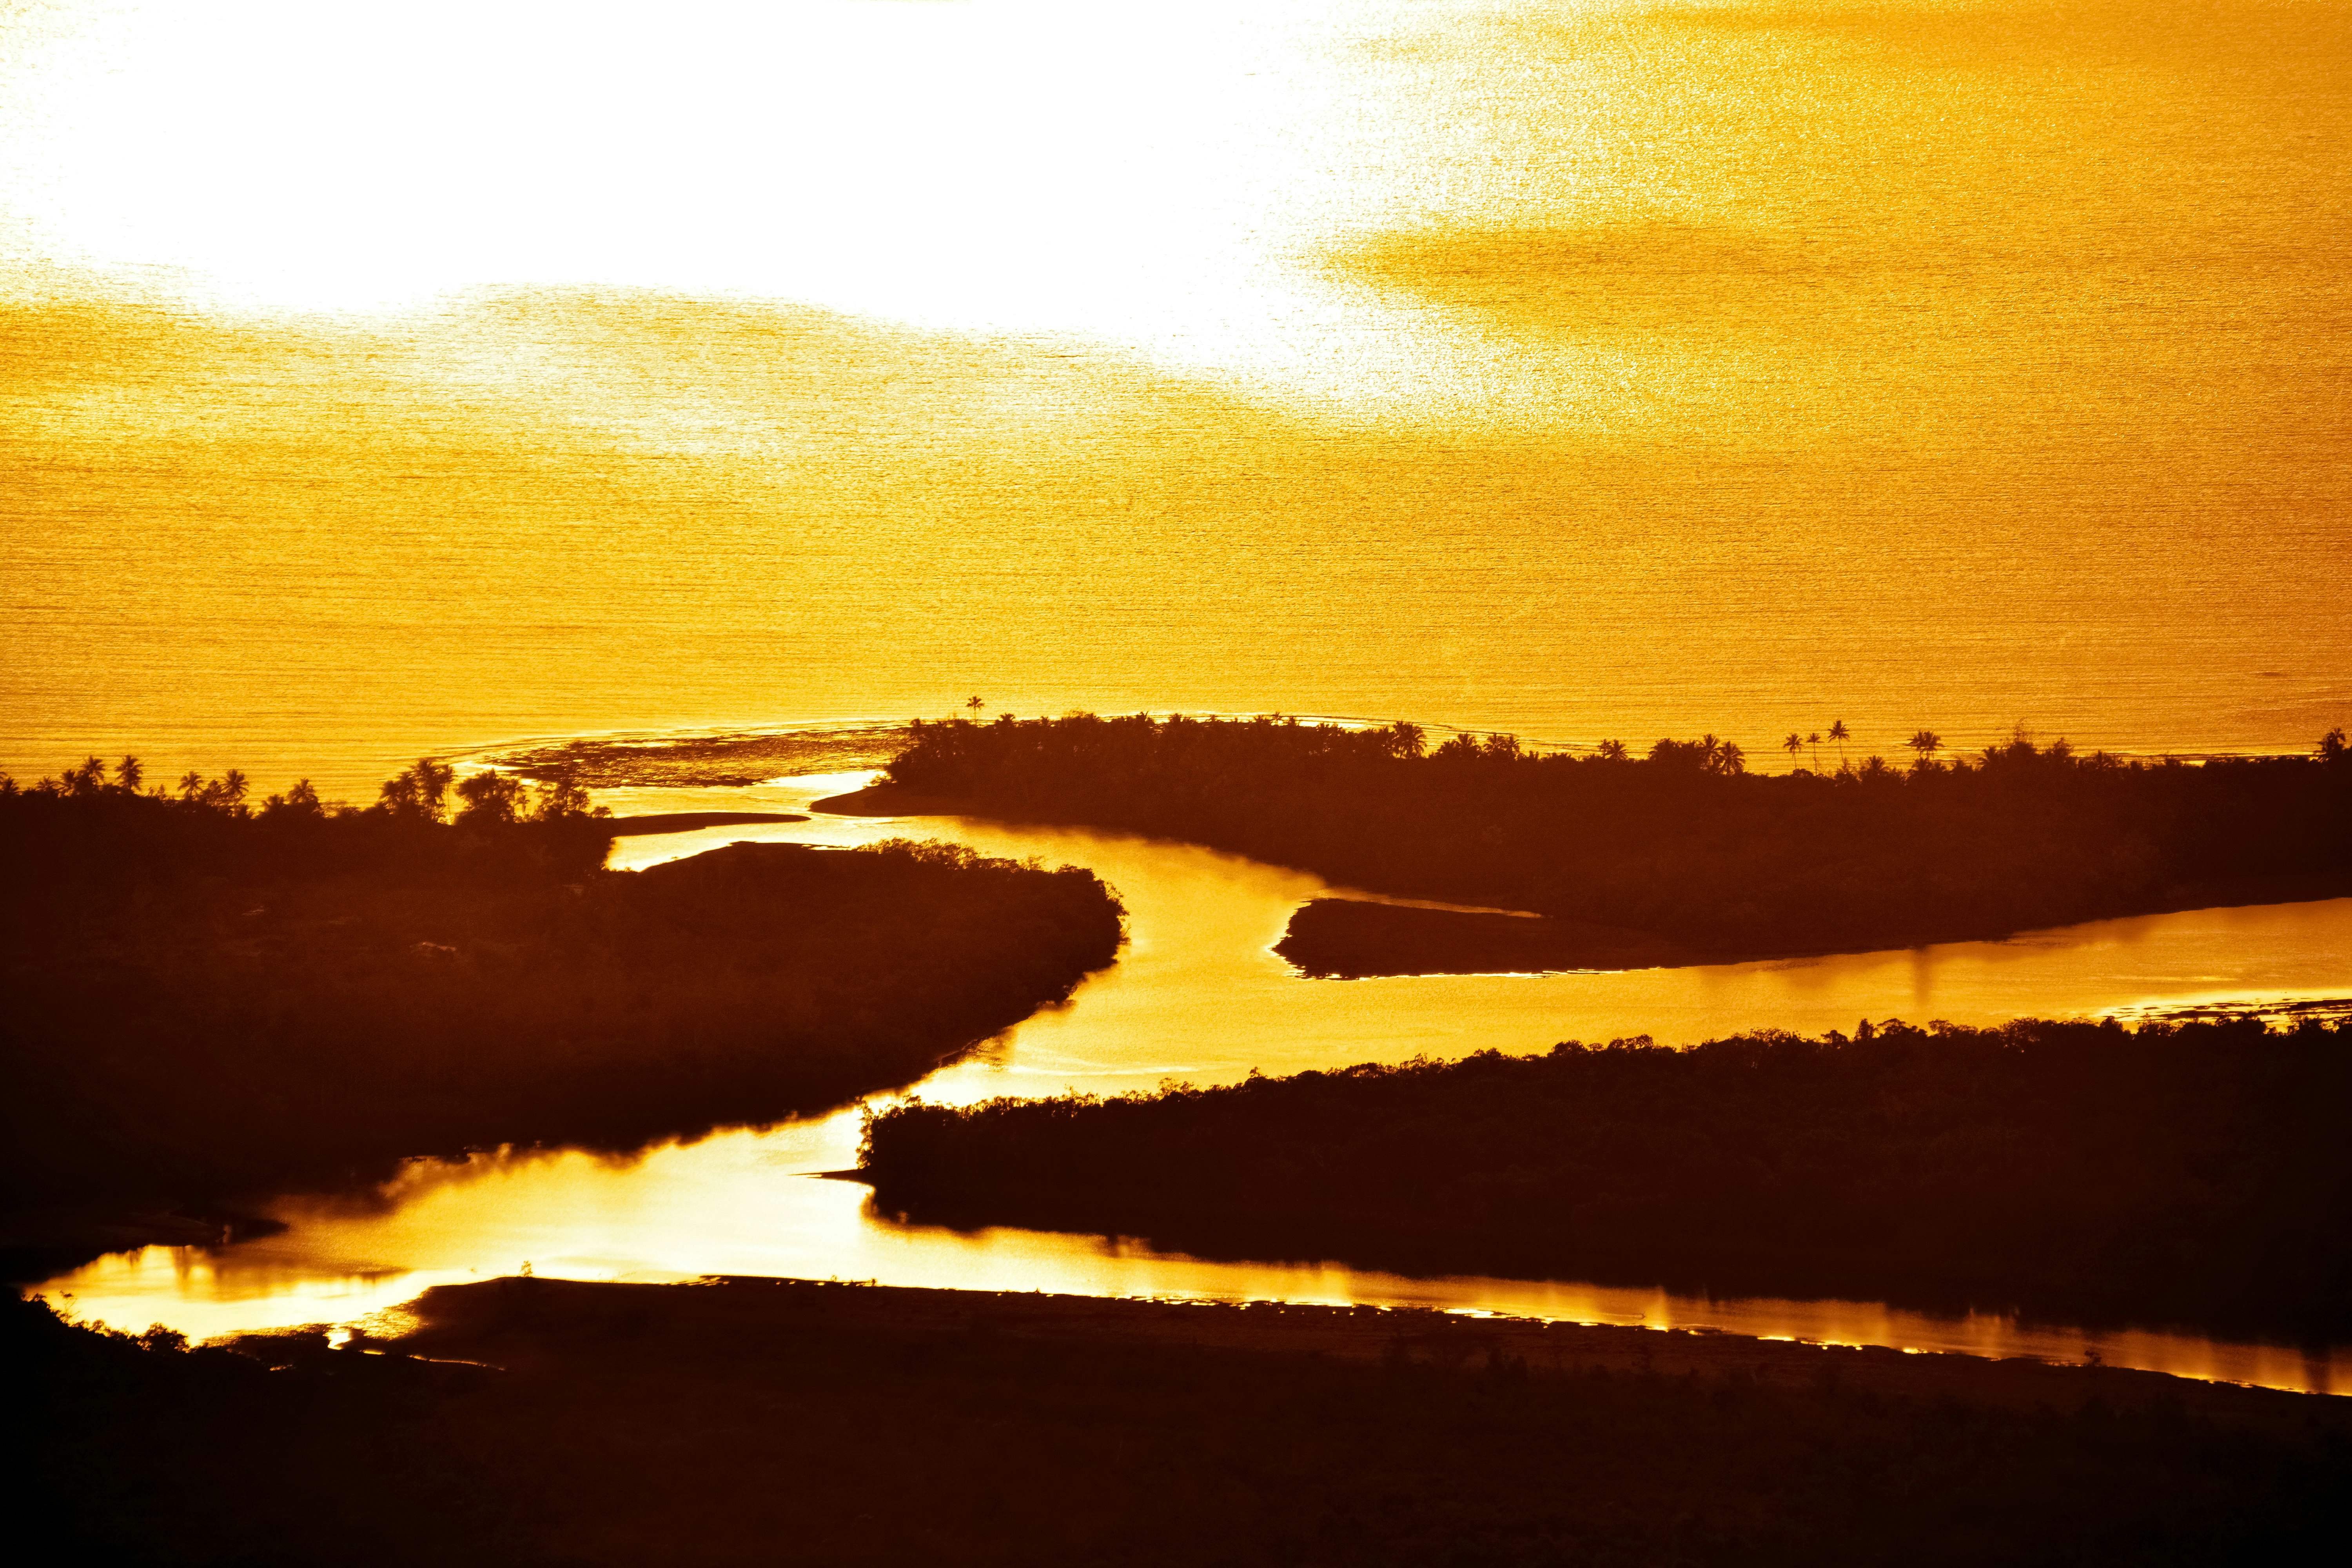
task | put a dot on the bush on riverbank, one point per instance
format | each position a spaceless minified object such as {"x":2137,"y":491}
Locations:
{"x":2194,"y":1169}
{"x":207,"y":1005}
{"x":1684,"y":844}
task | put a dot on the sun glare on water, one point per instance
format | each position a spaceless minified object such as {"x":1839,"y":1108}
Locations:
{"x":1146,"y":174}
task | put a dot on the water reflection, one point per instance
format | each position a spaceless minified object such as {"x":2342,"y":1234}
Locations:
{"x":1199,"y":995}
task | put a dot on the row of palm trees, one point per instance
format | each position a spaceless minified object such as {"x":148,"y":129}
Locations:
{"x":1926,"y":742}
{"x":423,"y":793}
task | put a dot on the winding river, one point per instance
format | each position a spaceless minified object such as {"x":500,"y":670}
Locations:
{"x":1198,"y":995}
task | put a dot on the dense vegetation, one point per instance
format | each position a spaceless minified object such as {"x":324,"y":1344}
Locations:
{"x":683,"y":1433}
{"x":207,"y":1003}
{"x":1685,"y":844}
{"x":2191,"y":1169}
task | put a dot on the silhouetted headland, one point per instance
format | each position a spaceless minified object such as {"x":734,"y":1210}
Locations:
{"x":743,"y":1420}
{"x":2189,"y":1172}
{"x":689,"y":821}
{"x":1680,"y":856}
{"x":211,"y":1004}
{"x":1348,"y":939}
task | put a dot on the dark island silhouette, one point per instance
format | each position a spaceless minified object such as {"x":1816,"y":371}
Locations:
{"x":2180,"y":1172}
{"x":212,"y":1002}
{"x":1680,"y":856}
{"x":736,"y":1421}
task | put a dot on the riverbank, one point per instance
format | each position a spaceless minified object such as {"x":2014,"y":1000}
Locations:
{"x":689,"y":821}
{"x":211,"y":1008}
{"x":742,"y":1419}
{"x":1683,"y":856}
{"x":1353,"y":939}
{"x":2179,"y":1174}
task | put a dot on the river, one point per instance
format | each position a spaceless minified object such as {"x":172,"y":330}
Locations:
{"x":1198,"y":995}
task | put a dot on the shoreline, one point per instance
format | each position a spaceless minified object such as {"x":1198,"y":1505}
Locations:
{"x":1395,"y":933}
{"x":510,"y":1322}
{"x":655,"y":821}
{"x":1337,"y":945}
{"x":536,"y":1420}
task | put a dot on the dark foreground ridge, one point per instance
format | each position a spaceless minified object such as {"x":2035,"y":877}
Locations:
{"x":208,"y":1006}
{"x":771,"y":1421}
{"x":1681,"y":856}
{"x":2182,"y":1171}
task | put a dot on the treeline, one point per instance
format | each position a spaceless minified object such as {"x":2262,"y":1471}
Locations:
{"x":2194,"y":1169}
{"x":209,"y":1004}
{"x":1684,"y":843}
{"x":427,"y":792}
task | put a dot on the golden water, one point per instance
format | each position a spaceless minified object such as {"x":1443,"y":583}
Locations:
{"x":1576,"y":369}
{"x":1197,"y":996}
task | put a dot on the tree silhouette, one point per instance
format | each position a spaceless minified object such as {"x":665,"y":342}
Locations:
{"x":1926,"y":742}
{"x":1792,"y":746}
{"x":301,"y":800}
{"x":1839,"y":733}
{"x":491,"y":797}
{"x":128,"y":774}
{"x":420,"y":791}
{"x":972,"y":705}
{"x":1814,"y":740}
{"x":562,"y":798}
{"x":88,"y":779}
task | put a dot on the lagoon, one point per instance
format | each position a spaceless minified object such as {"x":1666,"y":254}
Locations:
{"x":1198,"y":995}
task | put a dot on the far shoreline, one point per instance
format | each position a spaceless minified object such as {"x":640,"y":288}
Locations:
{"x":1328,"y":939}
{"x":1335,"y":936}
{"x":656,"y":822}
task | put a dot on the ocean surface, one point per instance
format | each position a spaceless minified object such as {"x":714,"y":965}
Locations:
{"x":1587,"y":371}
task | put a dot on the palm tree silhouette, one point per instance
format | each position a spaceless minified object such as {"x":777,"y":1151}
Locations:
{"x":1792,"y":746}
{"x":1926,"y":742}
{"x":1838,"y":732}
{"x":1814,"y":740}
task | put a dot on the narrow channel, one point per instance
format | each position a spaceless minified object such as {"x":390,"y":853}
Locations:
{"x":1198,"y":995}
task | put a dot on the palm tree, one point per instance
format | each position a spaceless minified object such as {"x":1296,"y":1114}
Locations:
{"x":1814,"y":740}
{"x":1839,"y":733}
{"x":1926,"y":742}
{"x":973,"y":703}
{"x":1792,"y":746}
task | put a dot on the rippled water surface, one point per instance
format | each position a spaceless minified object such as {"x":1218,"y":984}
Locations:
{"x":1583,"y":369}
